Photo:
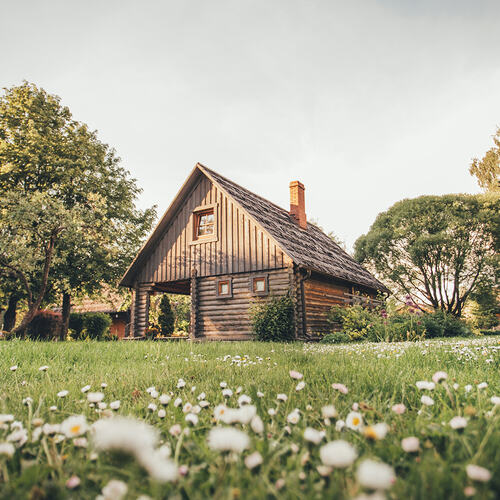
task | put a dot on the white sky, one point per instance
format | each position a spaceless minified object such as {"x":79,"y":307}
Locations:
{"x":366,"y":102}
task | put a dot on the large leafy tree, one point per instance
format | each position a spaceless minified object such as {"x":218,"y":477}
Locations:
{"x":436,"y":249}
{"x":43,"y":150}
{"x":487,"y":170}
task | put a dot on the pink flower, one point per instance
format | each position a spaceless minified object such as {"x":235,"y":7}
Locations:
{"x":295,"y":374}
{"x":341,"y":388}
{"x":399,"y":408}
{"x":73,"y":482}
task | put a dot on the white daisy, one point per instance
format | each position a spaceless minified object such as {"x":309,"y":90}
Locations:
{"x":375,"y":475}
{"x":74,"y":426}
{"x":354,"y":421}
{"x":253,"y":460}
{"x":339,"y":454}
{"x":227,"y":439}
{"x":410,"y":444}
{"x":477,"y":473}
{"x":313,"y":436}
{"x":458,"y":423}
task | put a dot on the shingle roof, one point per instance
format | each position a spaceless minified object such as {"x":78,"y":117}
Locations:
{"x":310,"y":248}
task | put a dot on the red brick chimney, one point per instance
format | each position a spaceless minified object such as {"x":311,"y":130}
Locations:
{"x":297,"y":203}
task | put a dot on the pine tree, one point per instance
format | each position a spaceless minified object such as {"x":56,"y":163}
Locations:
{"x":166,"y":316}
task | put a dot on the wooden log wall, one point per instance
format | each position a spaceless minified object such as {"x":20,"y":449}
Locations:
{"x":228,"y":319}
{"x":320,"y":296}
{"x":241,"y":245}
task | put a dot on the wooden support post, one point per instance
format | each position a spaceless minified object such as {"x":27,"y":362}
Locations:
{"x":296,"y":297}
{"x":140,"y":307}
{"x":193,"y":330}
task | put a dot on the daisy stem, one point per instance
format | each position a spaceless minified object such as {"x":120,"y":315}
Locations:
{"x":5,"y":472}
{"x":178,"y":447}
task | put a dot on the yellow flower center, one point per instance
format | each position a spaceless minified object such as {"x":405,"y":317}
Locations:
{"x":75,"y":429}
{"x":355,"y":421}
{"x":370,"y":433}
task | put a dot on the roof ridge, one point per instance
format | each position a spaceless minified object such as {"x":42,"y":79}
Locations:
{"x":246,"y":189}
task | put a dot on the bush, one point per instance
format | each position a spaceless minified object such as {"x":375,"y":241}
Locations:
{"x":355,"y":321}
{"x":166,"y":319}
{"x":76,"y":325}
{"x":490,"y":332}
{"x":336,"y":338}
{"x":46,"y":325}
{"x":89,"y":325}
{"x":442,"y":324}
{"x":273,"y":320}
{"x":405,"y":326}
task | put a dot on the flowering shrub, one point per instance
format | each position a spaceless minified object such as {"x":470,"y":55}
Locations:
{"x":273,"y":319}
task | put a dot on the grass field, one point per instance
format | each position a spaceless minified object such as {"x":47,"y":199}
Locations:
{"x":377,"y":376}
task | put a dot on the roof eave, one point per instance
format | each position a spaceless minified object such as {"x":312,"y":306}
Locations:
{"x":128,"y":277}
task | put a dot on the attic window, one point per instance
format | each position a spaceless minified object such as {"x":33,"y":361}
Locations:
{"x":205,"y":223}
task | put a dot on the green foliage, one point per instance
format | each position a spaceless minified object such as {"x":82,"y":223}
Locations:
{"x":82,"y":226}
{"x":355,"y":321}
{"x":272,"y":320}
{"x":89,"y":325}
{"x":441,"y":324}
{"x":484,"y":308}
{"x":359,"y":323}
{"x":166,"y":319}
{"x":336,"y":338}
{"x":436,"y":249}
{"x":487,"y":170}
{"x":77,"y":324}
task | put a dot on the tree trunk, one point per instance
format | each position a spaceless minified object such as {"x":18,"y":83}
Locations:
{"x":35,"y":306}
{"x":9,"y":319}
{"x":66,"y":308}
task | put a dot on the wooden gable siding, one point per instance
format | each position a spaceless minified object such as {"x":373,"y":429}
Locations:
{"x":241,"y":246}
{"x":229,"y":319}
{"x":319,"y":297}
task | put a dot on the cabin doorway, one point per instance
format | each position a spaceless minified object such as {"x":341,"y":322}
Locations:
{"x":169,"y":310}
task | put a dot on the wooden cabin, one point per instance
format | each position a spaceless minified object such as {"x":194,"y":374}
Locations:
{"x":228,"y":247}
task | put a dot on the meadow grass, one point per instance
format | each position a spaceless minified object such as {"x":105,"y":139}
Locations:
{"x":378,"y":376}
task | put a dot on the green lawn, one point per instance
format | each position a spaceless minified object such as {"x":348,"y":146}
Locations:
{"x":377,"y":376}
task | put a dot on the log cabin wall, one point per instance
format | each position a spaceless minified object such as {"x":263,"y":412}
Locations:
{"x":228,"y":318}
{"x":320,"y":295}
{"x":241,"y":245}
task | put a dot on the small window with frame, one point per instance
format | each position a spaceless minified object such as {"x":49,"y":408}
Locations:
{"x":259,"y":285}
{"x":223,"y":288}
{"x":204,"y":224}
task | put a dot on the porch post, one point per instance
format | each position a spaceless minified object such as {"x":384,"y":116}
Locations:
{"x":140,"y":308}
{"x":193,"y":330}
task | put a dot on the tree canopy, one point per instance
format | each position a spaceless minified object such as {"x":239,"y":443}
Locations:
{"x":81,"y":226}
{"x":487,"y":170}
{"x":436,"y":249}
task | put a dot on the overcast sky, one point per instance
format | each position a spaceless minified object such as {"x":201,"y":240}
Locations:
{"x":365,"y":102}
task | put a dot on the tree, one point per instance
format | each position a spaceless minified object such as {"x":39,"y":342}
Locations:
{"x":43,"y":150}
{"x":487,"y":170}
{"x":436,"y":249}
{"x":31,"y":228}
{"x":166,"y":316}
